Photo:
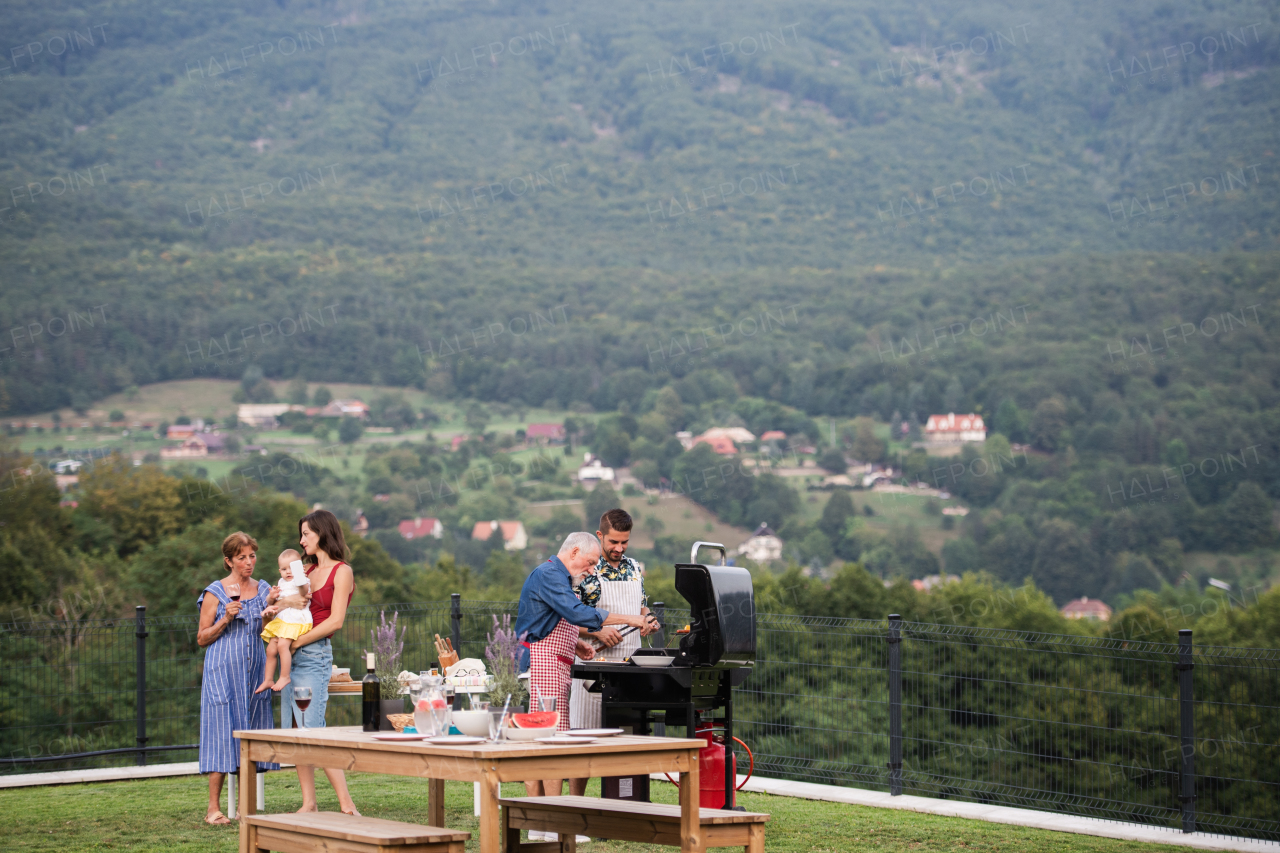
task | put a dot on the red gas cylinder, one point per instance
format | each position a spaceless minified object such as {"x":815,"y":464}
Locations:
{"x":711,"y":768}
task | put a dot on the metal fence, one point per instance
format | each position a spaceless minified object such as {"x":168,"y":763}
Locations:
{"x":1168,"y":735}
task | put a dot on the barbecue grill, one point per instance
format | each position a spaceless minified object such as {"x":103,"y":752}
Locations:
{"x":688,"y":682}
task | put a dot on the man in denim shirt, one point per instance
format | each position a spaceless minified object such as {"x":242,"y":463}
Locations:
{"x":547,"y":596}
{"x":548,"y":619}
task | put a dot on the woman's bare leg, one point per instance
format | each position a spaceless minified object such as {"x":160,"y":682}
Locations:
{"x":338,"y":780}
{"x":533,"y":789}
{"x":215,"y":793}
{"x":307,"y":782}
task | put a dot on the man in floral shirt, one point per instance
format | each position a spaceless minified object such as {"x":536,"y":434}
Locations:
{"x":614,"y":565}
{"x":619,"y":585}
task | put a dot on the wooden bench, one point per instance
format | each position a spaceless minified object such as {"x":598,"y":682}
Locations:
{"x":622,"y":820}
{"x":334,"y":832}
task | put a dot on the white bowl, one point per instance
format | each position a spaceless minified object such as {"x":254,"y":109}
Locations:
{"x":474,"y":723}
{"x":512,"y":733}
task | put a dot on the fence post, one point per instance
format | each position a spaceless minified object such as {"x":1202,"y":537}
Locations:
{"x":140,"y":703}
{"x":659,"y":612}
{"x":455,"y":616}
{"x":1187,"y":731}
{"x":895,"y":705}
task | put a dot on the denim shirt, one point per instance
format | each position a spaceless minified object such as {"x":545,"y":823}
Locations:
{"x":547,"y":597}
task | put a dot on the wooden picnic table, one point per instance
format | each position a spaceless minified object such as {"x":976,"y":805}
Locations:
{"x":349,"y":748}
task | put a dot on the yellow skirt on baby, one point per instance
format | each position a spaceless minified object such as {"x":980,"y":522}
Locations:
{"x":288,"y":630}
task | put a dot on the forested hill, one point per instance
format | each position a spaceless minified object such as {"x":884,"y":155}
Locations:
{"x":1062,"y":216}
{"x":679,"y":136}
{"x":423,"y":169}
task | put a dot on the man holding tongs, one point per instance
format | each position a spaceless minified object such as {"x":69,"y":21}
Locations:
{"x":617,"y":586}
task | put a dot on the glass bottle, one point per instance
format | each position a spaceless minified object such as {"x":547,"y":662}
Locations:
{"x":371,"y":694}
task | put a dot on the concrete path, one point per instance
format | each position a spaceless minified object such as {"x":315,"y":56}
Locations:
{"x":101,"y":774}
{"x":1003,"y":814}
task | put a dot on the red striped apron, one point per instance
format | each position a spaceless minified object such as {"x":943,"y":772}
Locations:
{"x":549,"y":662}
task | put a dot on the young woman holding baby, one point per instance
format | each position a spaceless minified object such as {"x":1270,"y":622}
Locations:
{"x":300,"y":616}
{"x":332,"y":584}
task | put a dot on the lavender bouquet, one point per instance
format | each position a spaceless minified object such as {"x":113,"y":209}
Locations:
{"x":388,"y":648}
{"x":503,"y":655}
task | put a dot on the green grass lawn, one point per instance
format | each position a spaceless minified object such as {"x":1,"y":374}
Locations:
{"x":165,"y":814}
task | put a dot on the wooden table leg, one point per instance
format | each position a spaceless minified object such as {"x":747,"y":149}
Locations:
{"x":690,"y":826}
{"x":511,"y":837}
{"x":755,"y":838}
{"x":248,"y":800}
{"x":435,"y":803}
{"x":490,"y":818}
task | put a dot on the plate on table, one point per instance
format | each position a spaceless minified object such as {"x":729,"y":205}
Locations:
{"x":566,"y":740}
{"x":455,"y":740}
{"x":398,"y":736}
{"x":593,"y":733}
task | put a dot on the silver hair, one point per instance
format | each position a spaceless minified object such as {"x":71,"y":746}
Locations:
{"x":585,"y":542}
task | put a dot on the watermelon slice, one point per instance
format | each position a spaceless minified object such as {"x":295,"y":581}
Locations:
{"x":536,"y":720}
{"x":425,"y":705}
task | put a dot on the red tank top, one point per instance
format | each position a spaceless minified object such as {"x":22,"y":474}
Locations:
{"x":322,"y":598}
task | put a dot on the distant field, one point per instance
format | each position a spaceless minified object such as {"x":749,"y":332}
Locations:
{"x":889,"y":508}
{"x":679,"y":516}
{"x":211,"y":399}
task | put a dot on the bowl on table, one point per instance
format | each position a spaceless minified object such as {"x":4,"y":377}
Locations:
{"x":474,"y":723}
{"x":513,"y":733}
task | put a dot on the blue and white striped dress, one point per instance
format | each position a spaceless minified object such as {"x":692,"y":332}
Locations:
{"x":234,"y":664}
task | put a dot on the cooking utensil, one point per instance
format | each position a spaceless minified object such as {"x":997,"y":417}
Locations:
{"x":600,"y":646}
{"x":444,"y":651}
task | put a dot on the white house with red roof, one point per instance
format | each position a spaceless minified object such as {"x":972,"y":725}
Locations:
{"x":345,"y":408}
{"x":417,"y":528}
{"x":514,"y":537}
{"x":955,"y":428}
{"x":1087,"y":608}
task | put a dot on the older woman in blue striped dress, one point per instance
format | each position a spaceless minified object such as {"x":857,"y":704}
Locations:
{"x":230,"y":622}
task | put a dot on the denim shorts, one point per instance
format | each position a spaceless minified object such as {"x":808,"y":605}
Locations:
{"x":312,"y":666}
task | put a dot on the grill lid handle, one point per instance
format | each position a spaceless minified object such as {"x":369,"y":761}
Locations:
{"x":693,"y":554}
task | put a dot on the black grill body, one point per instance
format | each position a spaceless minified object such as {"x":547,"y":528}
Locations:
{"x":714,"y":657}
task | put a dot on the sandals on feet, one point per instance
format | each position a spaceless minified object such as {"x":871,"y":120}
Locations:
{"x":216,"y":819}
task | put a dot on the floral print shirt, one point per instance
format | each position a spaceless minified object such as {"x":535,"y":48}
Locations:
{"x":627,"y":570}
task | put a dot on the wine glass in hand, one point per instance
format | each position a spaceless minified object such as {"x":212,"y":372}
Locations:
{"x":302,"y":698}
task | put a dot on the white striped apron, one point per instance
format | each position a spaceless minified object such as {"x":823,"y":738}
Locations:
{"x":626,"y":597}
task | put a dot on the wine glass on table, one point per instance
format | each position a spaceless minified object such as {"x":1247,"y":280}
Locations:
{"x":302,"y":698}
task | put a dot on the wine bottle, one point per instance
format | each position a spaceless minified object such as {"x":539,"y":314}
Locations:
{"x":372,"y":693}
